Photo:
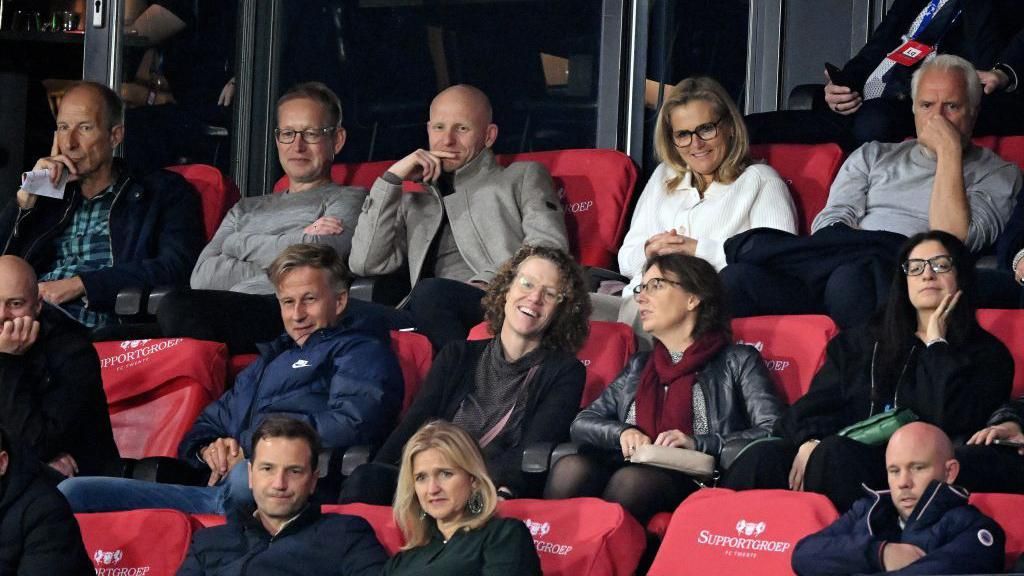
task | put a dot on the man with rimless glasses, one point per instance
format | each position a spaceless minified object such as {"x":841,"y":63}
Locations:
{"x":884,"y":193}
{"x":222,"y":305}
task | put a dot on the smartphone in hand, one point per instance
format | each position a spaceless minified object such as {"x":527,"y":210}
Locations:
{"x":837,"y":75}
{"x":1008,"y":443}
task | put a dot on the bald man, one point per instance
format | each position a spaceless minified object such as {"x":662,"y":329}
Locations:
{"x":921,"y":525}
{"x":111,"y":229}
{"x":471,"y":216}
{"x":51,"y":395}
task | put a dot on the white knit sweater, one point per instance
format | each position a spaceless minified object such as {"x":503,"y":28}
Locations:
{"x":758,"y":198}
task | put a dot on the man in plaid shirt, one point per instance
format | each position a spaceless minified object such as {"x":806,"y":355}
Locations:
{"x":111,"y":230}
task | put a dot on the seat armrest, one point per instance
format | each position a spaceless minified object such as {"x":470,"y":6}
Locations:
{"x":130,"y":301}
{"x":169,"y":471}
{"x":537,"y":457}
{"x":564,"y":449}
{"x":355,"y":457}
{"x":596,"y":275}
{"x":802,"y":96}
{"x":156,"y":296}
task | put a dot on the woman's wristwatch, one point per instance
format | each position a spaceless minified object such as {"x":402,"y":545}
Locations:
{"x":1013,"y":267}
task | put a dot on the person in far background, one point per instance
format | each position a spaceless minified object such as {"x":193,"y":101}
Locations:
{"x":184,"y":84}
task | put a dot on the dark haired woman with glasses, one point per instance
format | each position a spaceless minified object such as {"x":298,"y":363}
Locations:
{"x":694,"y":390}
{"x":706,"y":189}
{"x":924,"y":351}
{"x":521,"y":387}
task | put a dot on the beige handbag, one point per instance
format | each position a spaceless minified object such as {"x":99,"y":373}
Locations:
{"x":691,"y":462}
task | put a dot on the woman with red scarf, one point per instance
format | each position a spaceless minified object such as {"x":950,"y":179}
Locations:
{"x":694,"y":390}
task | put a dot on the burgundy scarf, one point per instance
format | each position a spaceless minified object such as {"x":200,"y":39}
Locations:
{"x":656,"y":411}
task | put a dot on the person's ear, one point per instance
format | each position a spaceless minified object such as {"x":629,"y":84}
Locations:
{"x":248,"y":466}
{"x":4,"y":461}
{"x":339,"y":139}
{"x":341,"y":302}
{"x":692,"y":303}
{"x":952,"y":470}
{"x":116,"y":135}
{"x":492,"y":135}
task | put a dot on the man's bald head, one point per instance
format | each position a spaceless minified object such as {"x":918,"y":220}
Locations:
{"x":461,"y":125}
{"x":917,"y":454}
{"x":19,"y":292}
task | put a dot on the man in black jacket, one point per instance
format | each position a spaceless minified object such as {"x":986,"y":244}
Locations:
{"x":282,"y":476}
{"x":38,"y":534}
{"x":110,"y":230}
{"x":51,"y":395}
{"x":921,"y":525}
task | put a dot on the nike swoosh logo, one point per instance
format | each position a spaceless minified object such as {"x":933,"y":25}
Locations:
{"x":301,"y":364}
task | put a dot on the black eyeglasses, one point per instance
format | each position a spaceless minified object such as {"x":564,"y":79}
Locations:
{"x":939,"y":265}
{"x":653,"y":285}
{"x":310,"y":136}
{"x":705,"y":132}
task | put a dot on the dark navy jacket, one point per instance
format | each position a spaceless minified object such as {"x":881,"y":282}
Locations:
{"x":310,"y":544}
{"x":156,"y":233}
{"x":955,"y":536}
{"x":344,"y":381}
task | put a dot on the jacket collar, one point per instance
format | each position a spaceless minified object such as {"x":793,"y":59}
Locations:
{"x":484,"y":164}
{"x":936,"y":500}
{"x":251,"y":523}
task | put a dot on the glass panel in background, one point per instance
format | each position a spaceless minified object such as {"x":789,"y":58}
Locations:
{"x":386,"y":59}
{"x":41,"y":45}
{"x":177,"y":71}
{"x":693,"y":38}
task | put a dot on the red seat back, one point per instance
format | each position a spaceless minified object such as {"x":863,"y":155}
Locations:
{"x":808,"y":170}
{"x":150,"y":542}
{"x":718,"y":531}
{"x":793,"y":348}
{"x":415,"y":355}
{"x":604,"y":354}
{"x":217,"y":193}
{"x":156,"y":388}
{"x":1010,"y":148}
{"x":380,"y":518}
{"x":1008,"y":326}
{"x":1005,"y":509}
{"x":361,"y":174}
{"x":580,"y":536}
{"x":596,"y":188}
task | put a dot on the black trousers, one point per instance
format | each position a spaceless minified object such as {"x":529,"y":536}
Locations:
{"x":445,"y":310}
{"x":879,"y":119}
{"x":372,"y":483}
{"x":837,"y":468}
{"x":990,"y":469}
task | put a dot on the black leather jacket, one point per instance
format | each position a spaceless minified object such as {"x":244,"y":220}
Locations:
{"x":740,"y":402}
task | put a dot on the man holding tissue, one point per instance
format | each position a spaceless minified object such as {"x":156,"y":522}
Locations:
{"x":104,"y":229}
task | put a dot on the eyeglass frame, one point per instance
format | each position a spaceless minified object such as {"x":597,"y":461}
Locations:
{"x":657,"y":281}
{"x":696,"y":132}
{"x":930,"y":262}
{"x":548,"y":295}
{"x":317,"y":133}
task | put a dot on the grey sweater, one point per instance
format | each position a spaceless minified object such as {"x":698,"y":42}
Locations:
{"x":888,"y":186}
{"x":257,"y":229}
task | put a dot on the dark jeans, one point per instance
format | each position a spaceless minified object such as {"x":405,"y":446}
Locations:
{"x":838,"y":271}
{"x":372,"y":483}
{"x":879,"y":119}
{"x":242,"y":320}
{"x":445,"y":310}
{"x":990,"y":469}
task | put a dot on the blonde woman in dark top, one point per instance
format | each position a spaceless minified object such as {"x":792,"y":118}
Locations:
{"x":445,"y":506}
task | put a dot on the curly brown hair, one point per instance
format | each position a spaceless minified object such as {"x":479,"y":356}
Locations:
{"x":570,"y":326}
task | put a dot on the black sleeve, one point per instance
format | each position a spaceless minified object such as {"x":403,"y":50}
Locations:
{"x":820,"y":412}
{"x":882,"y":41}
{"x":52,"y":541}
{"x":598,"y":424}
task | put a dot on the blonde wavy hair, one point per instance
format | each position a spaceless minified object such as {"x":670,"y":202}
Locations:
{"x":461,"y":451}
{"x":732,"y":127}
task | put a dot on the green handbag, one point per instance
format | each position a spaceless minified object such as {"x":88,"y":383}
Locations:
{"x":877,"y":429}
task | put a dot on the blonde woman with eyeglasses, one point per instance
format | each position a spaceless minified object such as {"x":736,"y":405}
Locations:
{"x":695,"y":390}
{"x":445,"y":506}
{"x":521,"y":387}
{"x":706,"y":188}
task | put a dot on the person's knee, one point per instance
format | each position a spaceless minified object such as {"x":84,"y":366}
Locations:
{"x":177,"y":309}
{"x":81,"y":492}
{"x":851,"y":295}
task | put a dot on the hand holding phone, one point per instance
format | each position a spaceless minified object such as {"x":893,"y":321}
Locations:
{"x":836,"y":75}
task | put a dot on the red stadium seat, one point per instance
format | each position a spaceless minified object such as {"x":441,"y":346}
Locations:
{"x":580,"y":536}
{"x":150,"y":542}
{"x":216,"y":192}
{"x":808,"y":169}
{"x":1008,"y":326}
{"x":380,"y":517}
{"x":1009,"y":148}
{"x":718,"y":531}
{"x":200,"y":521}
{"x":595,"y":186}
{"x":793,"y":348}
{"x":605,"y":353}
{"x":1005,"y":509}
{"x":156,"y":389}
